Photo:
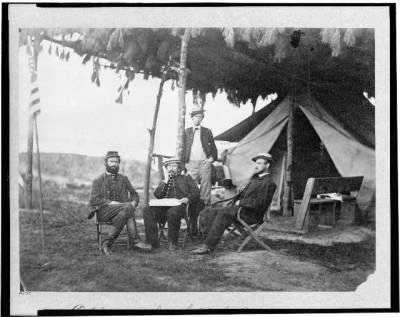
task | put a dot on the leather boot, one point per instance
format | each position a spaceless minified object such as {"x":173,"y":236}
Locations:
{"x":112,"y":236}
{"x":134,"y":236}
{"x":132,"y":231}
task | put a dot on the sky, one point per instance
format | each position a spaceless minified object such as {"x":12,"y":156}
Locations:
{"x":79,"y":117}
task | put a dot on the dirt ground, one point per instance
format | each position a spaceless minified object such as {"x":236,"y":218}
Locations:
{"x":72,"y":261}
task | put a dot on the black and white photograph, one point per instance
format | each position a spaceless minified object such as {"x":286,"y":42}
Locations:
{"x":221,"y":157}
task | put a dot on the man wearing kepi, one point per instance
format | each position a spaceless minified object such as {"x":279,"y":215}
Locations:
{"x":254,"y":199}
{"x":178,"y":186}
{"x":116,"y":199}
{"x":199,"y":154}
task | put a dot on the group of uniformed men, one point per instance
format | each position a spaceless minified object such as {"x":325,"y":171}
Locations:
{"x":116,"y":199}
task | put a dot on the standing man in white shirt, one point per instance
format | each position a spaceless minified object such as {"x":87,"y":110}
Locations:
{"x":199,"y":154}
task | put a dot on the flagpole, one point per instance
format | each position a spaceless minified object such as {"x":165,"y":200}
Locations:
{"x":40,"y":183}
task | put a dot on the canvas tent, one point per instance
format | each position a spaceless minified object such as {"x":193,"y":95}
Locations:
{"x":332,"y":140}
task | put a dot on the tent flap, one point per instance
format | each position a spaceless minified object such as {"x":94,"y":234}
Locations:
{"x":260,"y":139}
{"x":351,"y":158}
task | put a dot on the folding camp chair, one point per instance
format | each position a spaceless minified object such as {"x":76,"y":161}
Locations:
{"x":99,"y":228}
{"x":245,"y":230}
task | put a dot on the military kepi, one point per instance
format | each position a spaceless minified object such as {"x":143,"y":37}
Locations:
{"x":262,"y":155}
{"x":111,"y":154}
{"x":172,"y":160}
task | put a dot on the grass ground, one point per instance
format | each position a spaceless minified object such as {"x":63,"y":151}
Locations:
{"x":72,"y":261}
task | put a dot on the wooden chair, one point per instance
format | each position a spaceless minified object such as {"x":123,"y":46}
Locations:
{"x":326,"y":207}
{"x":99,"y":228}
{"x":186,"y":232}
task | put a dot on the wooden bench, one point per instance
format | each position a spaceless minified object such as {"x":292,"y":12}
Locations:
{"x":326,"y":209}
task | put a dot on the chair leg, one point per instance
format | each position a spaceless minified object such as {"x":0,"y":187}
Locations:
{"x":252,"y":235}
{"x":161,"y":232}
{"x":187,"y":231}
{"x":98,"y":227}
{"x":129,"y":240}
{"x":249,"y":237}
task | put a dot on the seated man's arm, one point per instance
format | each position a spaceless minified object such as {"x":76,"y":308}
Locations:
{"x":161,"y":190}
{"x":97,"y":198}
{"x":133,"y":195}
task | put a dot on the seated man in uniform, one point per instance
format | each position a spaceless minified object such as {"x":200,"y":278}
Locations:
{"x":116,"y":199}
{"x":176,"y":185}
{"x":254,"y":199}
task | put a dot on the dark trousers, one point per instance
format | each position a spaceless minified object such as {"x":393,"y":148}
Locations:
{"x":159,"y":215}
{"x":214,"y":221}
{"x":118,"y":214}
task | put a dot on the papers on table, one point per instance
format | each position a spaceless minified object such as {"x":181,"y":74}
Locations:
{"x":165,"y":202}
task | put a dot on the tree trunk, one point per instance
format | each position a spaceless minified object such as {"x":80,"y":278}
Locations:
{"x":151,"y":144}
{"x":287,"y":193}
{"x":29,"y":152}
{"x":182,"y":92}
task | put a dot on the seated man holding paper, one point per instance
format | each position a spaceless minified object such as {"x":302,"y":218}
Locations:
{"x":173,"y":195}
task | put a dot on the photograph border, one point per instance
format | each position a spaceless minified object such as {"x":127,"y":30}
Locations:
{"x":5,"y":148}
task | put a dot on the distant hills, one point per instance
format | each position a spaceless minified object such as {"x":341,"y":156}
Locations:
{"x":82,"y":169}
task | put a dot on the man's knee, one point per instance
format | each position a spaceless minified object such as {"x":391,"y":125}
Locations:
{"x":204,"y":212}
{"x":128,"y":210}
{"x":174,"y":212}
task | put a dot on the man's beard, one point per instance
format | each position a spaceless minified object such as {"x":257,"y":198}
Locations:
{"x":112,"y":169}
{"x":173,"y":173}
{"x":256,"y":172}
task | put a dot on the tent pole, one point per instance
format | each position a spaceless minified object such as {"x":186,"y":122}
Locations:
{"x":151,"y":144}
{"x":287,"y":194}
{"x":182,"y":93}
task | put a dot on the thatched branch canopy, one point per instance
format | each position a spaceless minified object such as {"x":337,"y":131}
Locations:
{"x":245,"y":63}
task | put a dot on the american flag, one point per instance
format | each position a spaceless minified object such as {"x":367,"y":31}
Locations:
{"x":34,"y":104}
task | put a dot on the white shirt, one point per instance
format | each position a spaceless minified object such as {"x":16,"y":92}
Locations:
{"x":197,"y":152}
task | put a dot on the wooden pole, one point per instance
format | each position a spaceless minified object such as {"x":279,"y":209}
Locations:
{"x":160,"y":168}
{"x":40,"y":184}
{"x":287,"y":193}
{"x":34,"y":49}
{"x":151,"y":144}
{"x":182,"y":93}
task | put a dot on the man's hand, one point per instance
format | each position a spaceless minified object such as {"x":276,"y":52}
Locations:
{"x":134,"y":204}
{"x":210,"y":159}
{"x":184,"y":200}
{"x":113,"y":202}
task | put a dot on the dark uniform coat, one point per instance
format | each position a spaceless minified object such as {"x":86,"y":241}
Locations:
{"x":102,"y":192}
{"x":257,"y":195}
{"x":184,"y":187}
